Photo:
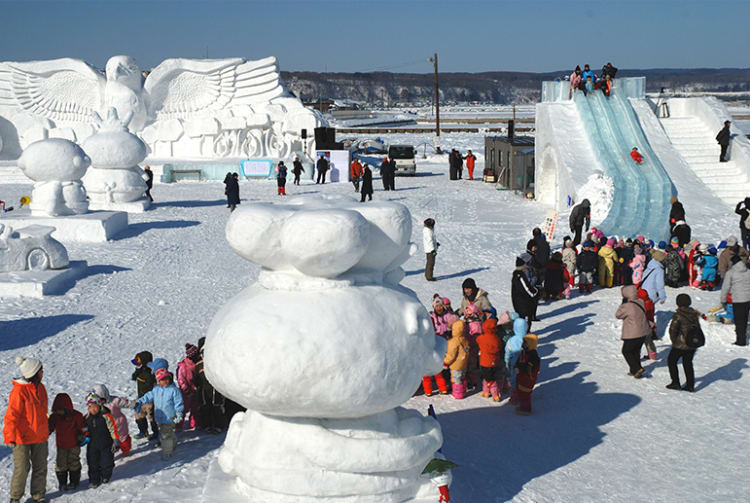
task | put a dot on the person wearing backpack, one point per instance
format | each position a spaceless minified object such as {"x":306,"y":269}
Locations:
{"x":737,"y":283}
{"x":683,"y":329}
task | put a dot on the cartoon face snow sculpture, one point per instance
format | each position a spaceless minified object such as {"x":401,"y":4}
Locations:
{"x":56,"y":165}
{"x":114,"y":177}
{"x":322,"y":350}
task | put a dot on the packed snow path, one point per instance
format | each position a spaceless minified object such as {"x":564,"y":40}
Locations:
{"x":595,"y":434}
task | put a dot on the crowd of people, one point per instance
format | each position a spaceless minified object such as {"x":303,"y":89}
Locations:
{"x":165,"y":402}
{"x":456,"y":164}
{"x":587,"y":81}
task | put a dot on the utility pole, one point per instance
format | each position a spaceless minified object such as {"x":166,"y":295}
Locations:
{"x":434,"y":60}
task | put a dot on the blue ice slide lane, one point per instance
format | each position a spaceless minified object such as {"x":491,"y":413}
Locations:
{"x":640,"y":203}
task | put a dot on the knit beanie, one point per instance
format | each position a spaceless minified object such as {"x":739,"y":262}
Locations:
{"x":712,"y":250}
{"x":29,"y":366}
{"x":683,"y":300}
{"x":731,"y":240}
{"x":162,"y":374}
{"x":519,"y":262}
{"x":191,"y":350}
{"x":674,"y":241}
{"x":662,"y":245}
{"x":468,"y":283}
{"x":611,"y":242}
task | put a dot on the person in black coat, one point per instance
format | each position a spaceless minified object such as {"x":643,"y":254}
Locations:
{"x":459,"y":165}
{"x":103,"y":443}
{"x":523,"y":294}
{"x":366,"y":189}
{"x":581,"y":214}
{"x":322,"y":166}
{"x":676,"y":214}
{"x":297,"y":170}
{"x":227,"y":180}
{"x":743,"y":210}
{"x":608,"y":70}
{"x":542,"y":247}
{"x":626,"y":254}
{"x":723,"y":139}
{"x":211,"y":409}
{"x":233,"y":192}
{"x":391,"y":174}
{"x":682,"y":232}
{"x":452,"y":171}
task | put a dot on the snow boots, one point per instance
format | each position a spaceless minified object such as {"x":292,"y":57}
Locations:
{"x":459,"y":390}
{"x":485,"y":389}
{"x":62,"y":480}
{"x":494,"y":391}
{"x":75,"y":479}
{"x":142,"y":424}
{"x":281,"y":191}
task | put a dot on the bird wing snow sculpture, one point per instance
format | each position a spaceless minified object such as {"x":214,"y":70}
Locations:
{"x":61,"y":90}
{"x":187,"y":88}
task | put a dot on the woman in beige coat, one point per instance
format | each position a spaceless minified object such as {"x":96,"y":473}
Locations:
{"x":635,"y":328}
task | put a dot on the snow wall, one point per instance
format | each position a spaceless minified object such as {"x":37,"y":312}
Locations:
{"x":593,"y":138}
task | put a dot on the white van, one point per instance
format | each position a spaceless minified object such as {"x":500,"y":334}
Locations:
{"x":404,"y":157}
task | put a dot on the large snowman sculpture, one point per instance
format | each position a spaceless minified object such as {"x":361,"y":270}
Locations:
{"x":115,"y":182}
{"x":322,"y":350}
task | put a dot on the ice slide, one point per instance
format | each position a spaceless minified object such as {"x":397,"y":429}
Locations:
{"x":640,"y":200}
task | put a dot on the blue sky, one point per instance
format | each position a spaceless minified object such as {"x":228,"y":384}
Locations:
{"x":347,"y":36}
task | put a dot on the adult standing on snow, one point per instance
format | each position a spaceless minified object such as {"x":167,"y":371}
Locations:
{"x":676,"y":213}
{"x":471,"y":160}
{"x":356,"y":173}
{"x":322,"y":166}
{"x":26,"y":430}
{"x":473,"y":295}
{"x":522,"y":293}
{"x":227,"y":180}
{"x":366,"y":190}
{"x":725,"y":257}
{"x":452,"y":169}
{"x":391,"y":181}
{"x":385,"y":168}
{"x":743,"y":210}
{"x":635,"y":328}
{"x":233,"y":192}
{"x":580,"y":215}
{"x":737,"y":283}
{"x":459,"y":165}
{"x":430,"y":248}
{"x":297,"y":170}
{"x":653,"y":281}
{"x":149,"y":181}
{"x":723,"y":139}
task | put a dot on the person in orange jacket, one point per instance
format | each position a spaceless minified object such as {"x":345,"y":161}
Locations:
{"x":356,"y":173}
{"x":489,"y":349}
{"x":471,"y":159}
{"x":26,"y":430}
{"x":637,"y":157}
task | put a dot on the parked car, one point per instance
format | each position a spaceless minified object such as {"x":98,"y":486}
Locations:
{"x":404,"y":156}
{"x":31,"y":248}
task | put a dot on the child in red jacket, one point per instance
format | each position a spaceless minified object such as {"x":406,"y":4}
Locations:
{"x":637,"y":157}
{"x":68,"y":423}
{"x":489,"y":349}
{"x":650,"y":346}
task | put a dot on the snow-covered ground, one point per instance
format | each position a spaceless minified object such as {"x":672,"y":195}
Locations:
{"x":595,"y":435}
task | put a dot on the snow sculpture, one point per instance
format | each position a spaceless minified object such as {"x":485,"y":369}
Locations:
{"x":115,"y":181}
{"x":30,"y":248}
{"x":56,"y":166}
{"x":185,"y":108}
{"x":323,"y":394}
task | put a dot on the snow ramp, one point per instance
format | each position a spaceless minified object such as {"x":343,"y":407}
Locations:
{"x":639,"y":202}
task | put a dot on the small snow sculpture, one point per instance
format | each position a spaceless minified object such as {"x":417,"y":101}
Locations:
{"x":330,"y":367}
{"x":115,"y":177}
{"x":56,"y":166}
{"x":30,"y":248}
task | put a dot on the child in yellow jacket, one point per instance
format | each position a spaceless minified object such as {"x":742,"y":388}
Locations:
{"x":457,"y":358}
{"x":607,"y":259}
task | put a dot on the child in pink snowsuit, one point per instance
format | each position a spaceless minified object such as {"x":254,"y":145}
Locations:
{"x":186,"y":383}
{"x":638,"y":265}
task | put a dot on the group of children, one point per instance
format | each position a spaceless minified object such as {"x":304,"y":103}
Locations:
{"x":587,"y":81}
{"x":164,"y":402}
{"x":499,"y":351}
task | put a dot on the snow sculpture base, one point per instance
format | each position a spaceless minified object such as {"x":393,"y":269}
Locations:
{"x":40,"y":283}
{"x":377,"y":458}
{"x":96,"y":227}
{"x":139,"y":206}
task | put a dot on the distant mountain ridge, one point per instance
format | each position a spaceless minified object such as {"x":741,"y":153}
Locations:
{"x":493,"y":87}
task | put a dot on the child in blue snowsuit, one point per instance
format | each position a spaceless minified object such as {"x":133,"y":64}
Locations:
{"x":514,"y":346}
{"x":710,"y":264}
{"x":168,"y":409}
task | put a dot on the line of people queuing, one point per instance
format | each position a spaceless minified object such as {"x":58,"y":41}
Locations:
{"x":165,"y":402}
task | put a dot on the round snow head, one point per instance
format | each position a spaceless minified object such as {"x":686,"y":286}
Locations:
{"x":115,"y":150}
{"x":54,"y":159}
{"x":254,"y":233}
{"x":325,"y":243}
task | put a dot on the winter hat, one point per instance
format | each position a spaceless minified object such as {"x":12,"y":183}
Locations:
{"x":159,"y":363}
{"x":162,"y":374}
{"x":137,"y":360}
{"x":731,"y":240}
{"x":662,"y":245}
{"x":469,"y":283}
{"x":712,"y":250}
{"x":93,"y":399}
{"x":703,"y":247}
{"x":490,"y":313}
{"x":658,"y":255}
{"x":102,"y":391}
{"x":683,"y":300}
{"x":588,"y":244}
{"x":673,"y":200}
{"x":437,"y":299}
{"x":674,"y":242}
{"x":611,"y":242}
{"x":641,"y":239}
{"x":519,"y":262}
{"x":649,"y":243}
{"x":514,"y":316}
{"x":722,"y":245}
{"x":191,"y":350}
{"x":29,"y":366}
{"x":504,"y":318}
